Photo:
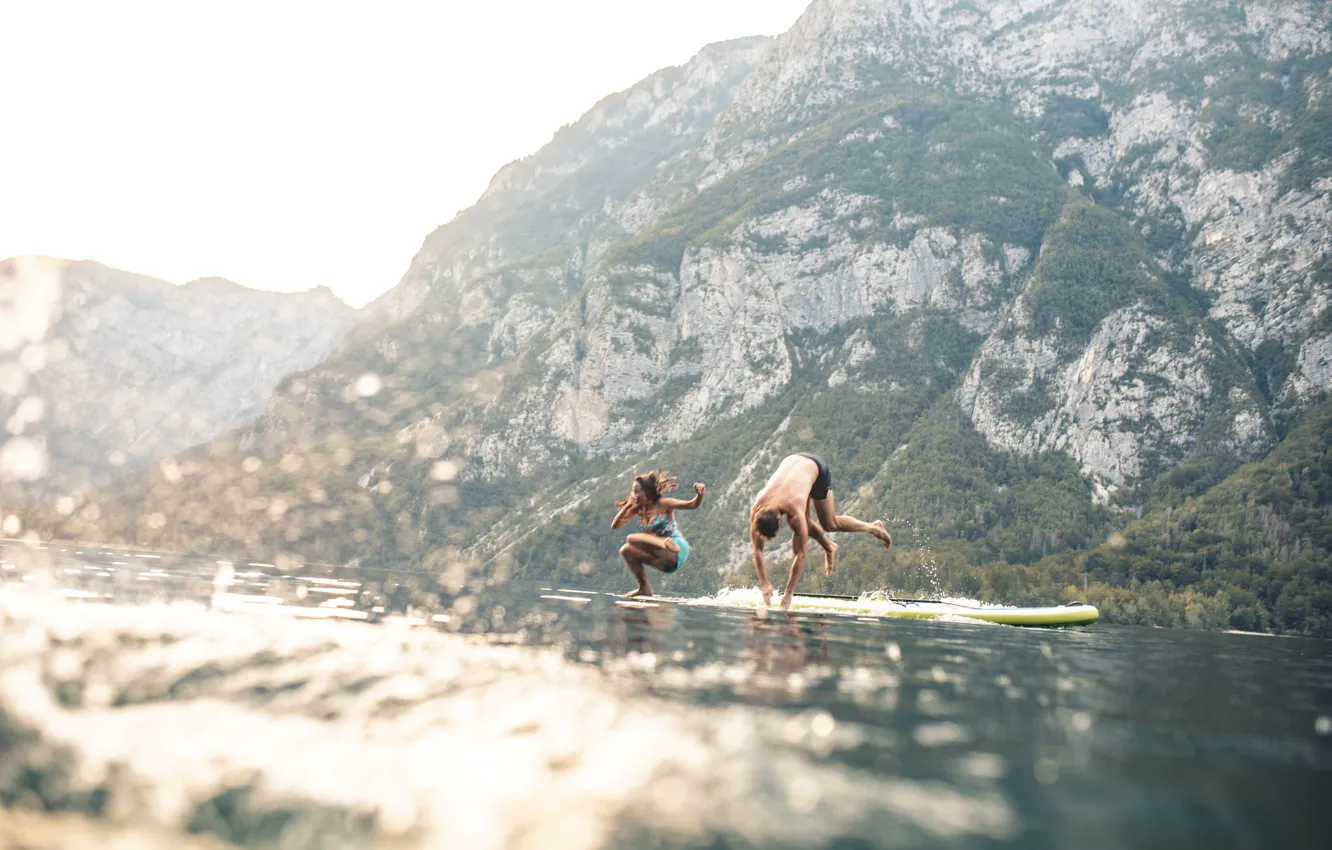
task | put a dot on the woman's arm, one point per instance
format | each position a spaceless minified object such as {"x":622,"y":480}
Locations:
{"x":682,"y":505}
{"x":626,"y":513}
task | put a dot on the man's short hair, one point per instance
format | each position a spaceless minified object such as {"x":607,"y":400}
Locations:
{"x":767,"y":521}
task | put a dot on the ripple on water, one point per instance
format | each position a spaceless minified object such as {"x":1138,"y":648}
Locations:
{"x":170,"y":718}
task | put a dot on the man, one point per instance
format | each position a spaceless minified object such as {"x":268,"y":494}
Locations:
{"x":801,"y":479}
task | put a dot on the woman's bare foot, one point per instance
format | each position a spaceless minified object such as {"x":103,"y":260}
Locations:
{"x":829,"y":555}
{"x":643,"y":589}
{"x":882,"y":534}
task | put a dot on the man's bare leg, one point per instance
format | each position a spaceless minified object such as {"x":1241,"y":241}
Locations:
{"x":831,"y":522}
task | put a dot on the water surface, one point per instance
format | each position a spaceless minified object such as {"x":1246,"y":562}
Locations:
{"x":531,"y":717}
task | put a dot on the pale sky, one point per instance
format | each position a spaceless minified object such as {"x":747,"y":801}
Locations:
{"x":287,"y":145}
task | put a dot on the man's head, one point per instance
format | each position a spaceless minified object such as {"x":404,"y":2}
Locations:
{"x":766,"y":522}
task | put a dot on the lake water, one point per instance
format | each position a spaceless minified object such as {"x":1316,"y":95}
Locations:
{"x":519,"y":721}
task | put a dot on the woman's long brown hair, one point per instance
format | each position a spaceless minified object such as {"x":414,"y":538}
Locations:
{"x":655,"y":484}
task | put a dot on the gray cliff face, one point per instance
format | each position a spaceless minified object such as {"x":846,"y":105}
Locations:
{"x":1134,"y":400}
{"x":719,"y":319}
{"x":113,"y":370}
{"x":724,"y":322}
{"x":722,"y":318}
{"x":571,"y":186}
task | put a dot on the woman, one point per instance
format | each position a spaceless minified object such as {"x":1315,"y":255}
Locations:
{"x":661,"y":546}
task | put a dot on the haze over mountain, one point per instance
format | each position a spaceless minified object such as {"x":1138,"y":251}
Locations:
{"x":104,"y":371}
{"x":1023,"y":272}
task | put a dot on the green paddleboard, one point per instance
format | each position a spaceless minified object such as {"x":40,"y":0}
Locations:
{"x":1074,"y":614}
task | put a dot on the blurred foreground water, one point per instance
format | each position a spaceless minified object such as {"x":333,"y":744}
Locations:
{"x":151,"y":702}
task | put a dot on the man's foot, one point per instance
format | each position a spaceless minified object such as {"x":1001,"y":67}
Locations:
{"x":641,"y":590}
{"x":882,"y":533}
{"x":766,"y":590}
{"x":829,"y":555}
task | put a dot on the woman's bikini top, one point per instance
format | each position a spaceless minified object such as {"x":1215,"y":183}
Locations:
{"x":663,"y":525}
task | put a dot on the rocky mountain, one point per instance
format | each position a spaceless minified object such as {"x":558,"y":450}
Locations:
{"x":1021,"y":269}
{"x":103,"y":371}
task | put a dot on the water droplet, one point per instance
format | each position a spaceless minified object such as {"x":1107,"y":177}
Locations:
{"x":368,"y":384}
{"x":31,"y":409}
{"x":170,"y":471}
{"x":22,"y":459}
{"x":1082,"y":721}
{"x":1046,"y":771}
{"x":11,"y":526}
{"x":251,"y":464}
{"x":291,"y":463}
{"x":983,"y":765}
{"x":13,"y":380}
{"x":445,"y":470}
{"x":98,"y":695}
{"x":894,"y":651}
{"x":33,"y":358}
{"x":822,"y":724}
{"x":803,"y":794}
{"x":940,"y":734}
{"x":794,"y":730}
{"x":1323,"y":725}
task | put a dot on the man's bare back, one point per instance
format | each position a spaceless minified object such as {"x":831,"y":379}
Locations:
{"x":789,"y":486}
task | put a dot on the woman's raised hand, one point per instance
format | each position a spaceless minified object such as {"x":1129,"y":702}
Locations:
{"x":700,"y":490}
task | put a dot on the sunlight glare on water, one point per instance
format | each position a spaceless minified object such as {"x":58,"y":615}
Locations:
{"x":560,"y":718}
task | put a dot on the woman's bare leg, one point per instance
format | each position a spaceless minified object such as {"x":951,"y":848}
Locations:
{"x":832,"y":522}
{"x":636,"y":559}
{"x":652,"y":542}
